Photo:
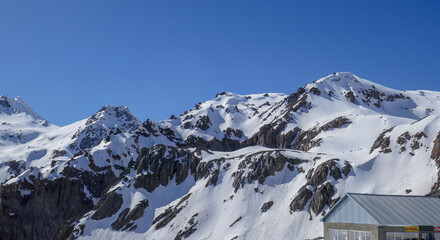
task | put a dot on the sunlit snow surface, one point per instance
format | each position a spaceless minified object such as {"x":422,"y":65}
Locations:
{"x":33,"y":143}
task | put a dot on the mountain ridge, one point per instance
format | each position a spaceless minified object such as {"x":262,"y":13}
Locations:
{"x":234,"y":167}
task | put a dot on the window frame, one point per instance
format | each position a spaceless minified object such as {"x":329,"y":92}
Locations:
{"x":339,"y":231}
{"x":363,"y":234}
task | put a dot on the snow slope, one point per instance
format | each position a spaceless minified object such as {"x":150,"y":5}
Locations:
{"x":261,"y":166}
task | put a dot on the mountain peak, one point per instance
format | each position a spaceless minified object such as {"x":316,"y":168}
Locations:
{"x":342,"y":79}
{"x":337,"y":76}
{"x":16,"y":105}
{"x":115,"y":116}
{"x":347,"y":81}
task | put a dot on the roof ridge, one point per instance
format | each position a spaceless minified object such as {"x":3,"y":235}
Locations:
{"x":392,"y":195}
{"x":362,"y":206}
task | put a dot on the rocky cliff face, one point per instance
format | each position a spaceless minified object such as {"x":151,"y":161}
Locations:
{"x":235,"y":167}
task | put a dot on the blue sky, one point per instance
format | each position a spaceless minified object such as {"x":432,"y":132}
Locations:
{"x":67,"y":59}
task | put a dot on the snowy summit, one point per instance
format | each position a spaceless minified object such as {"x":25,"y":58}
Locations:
{"x":259,"y":166}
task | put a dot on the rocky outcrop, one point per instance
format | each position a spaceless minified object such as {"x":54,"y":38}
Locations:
{"x":318,"y":189}
{"x":170,"y":213}
{"x":108,"y":206}
{"x":203,"y":123}
{"x":209,"y":170}
{"x":189,"y":229}
{"x":372,"y":95}
{"x":435,"y":152}
{"x":298,"y":100}
{"x":236,"y":220}
{"x":266,"y":206}
{"x":315,"y":91}
{"x":322,"y":197}
{"x":127,"y":217}
{"x":271,"y":135}
{"x":406,"y":137}
{"x":160,"y":164}
{"x":382,"y":142}
{"x":307,"y":139}
{"x":350,"y":96}
{"x":301,"y":199}
{"x":325,"y":169}
{"x":258,"y":167}
{"x":435,"y":155}
{"x":226,"y":144}
{"x":35,"y":209}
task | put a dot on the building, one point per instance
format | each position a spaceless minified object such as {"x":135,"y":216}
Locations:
{"x":383,"y":217}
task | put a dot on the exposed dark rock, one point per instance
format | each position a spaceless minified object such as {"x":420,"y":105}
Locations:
{"x":346,"y":169}
{"x":402,"y":149}
{"x":96,"y":183}
{"x":260,"y":166}
{"x":420,"y":135}
{"x":236,"y":132}
{"x":373,"y":95}
{"x":350,"y":96}
{"x":15,"y":167}
{"x":40,"y":212}
{"x":169,"y":133}
{"x":187,"y":125}
{"x":338,"y":122}
{"x":170,"y":213}
{"x":182,"y":234}
{"x":315,"y":91}
{"x":269,"y":135}
{"x":435,"y":155}
{"x":317,"y":180}
{"x":298,"y":99}
{"x":302,"y":198}
{"x":226,"y":144}
{"x":392,"y":98}
{"x":203,"y":123}
{"x":220,"y":94}
{"x":108,"y":206}
{"x":64,"y":231}
{"x":58,"y":153}
{"x":306,"y":139}
{"x":266,"y":206}
{"x":4,"y":102}
{"x":236,"y":220}
{"x":415,"y":145}
{"x":128,"y":215}
{"x":150,"y":126}
{"x":322,"y":197}
{"x":161,"y":164}
{"x":323,"y":170}
{"x":381,"y":141}
{"x":402,"y":137}
{"x":209,"y":170}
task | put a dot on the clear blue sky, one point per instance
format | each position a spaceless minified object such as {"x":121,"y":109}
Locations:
{"x":67,"y":59}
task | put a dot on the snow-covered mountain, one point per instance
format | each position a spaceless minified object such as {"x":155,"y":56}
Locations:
{"x":260,"y":166}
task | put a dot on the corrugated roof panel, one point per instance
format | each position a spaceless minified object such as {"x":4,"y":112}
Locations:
{"x":400,"y":210}
{"x":349,"y":211}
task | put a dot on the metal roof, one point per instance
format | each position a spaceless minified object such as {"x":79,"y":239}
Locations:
{"x":397,"y":210}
